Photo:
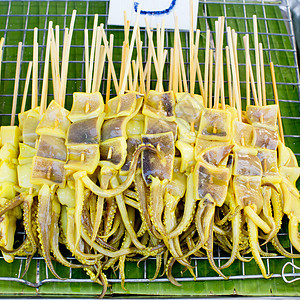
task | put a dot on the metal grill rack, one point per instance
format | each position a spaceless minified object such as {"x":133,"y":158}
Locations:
{"x":17,"y":21}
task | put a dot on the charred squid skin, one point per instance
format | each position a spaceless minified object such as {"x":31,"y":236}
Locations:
{"x":122,"y":187}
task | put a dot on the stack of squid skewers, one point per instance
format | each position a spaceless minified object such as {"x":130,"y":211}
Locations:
{"x":149,"y":173}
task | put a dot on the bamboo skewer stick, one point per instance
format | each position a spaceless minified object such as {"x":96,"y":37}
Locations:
{"x":26,"y":87}
{"x":219,"y":60}
{"x":54,"y":66}
{"x":222,"y":85}
{"x":205,"y":95}
{"x":197,"y":69}
{"x":277,"y":102}
{"x":125,"y":47}
{"x":193,"y":61}
{"x":97,"y":57}
{"x":1,"y":53}
{"x":210,"y":77}
{"x":57,"y":39}
{"x":263,"y":82}
{"x":258,"y":78}
{"x":149,"y":59}
{"x":86,"y":56}
{"x":181,"y":60}
{"x":234,"y":39}
{"x":92,"y":56}
{"x":127,"y":65}
{"x":234,"y":72}
{"x":111,"y":46}
{"x":35,"y":70}
{"x":101,"y":68}
{"x":135,"y":65}
{"x":139,"y":45}
{"x":16,"y":85}
{"x":65,"y":60}
{"x":110,"y":61}
{"x":175,"y":64}
{"x":46,"y":72}
{"x":171,"y":69}
{"x":228,"y":76}
{"x":130,"y":81}
{"x":246,"y":43}
{"x":192,"y":50}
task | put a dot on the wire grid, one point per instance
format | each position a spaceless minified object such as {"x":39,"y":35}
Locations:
{"x":17,"y":21}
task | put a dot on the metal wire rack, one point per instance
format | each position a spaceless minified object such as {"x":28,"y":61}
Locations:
{"x":17,"y":20}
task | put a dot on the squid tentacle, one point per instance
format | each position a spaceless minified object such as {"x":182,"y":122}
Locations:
{"x":253,"y":234}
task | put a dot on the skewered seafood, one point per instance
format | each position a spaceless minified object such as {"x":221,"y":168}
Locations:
{"x":150,"y":172}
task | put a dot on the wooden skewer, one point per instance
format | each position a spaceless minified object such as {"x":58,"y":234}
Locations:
{"x":171,"y":69}
{"x":257,"y":59}
{"x":139,"y":45}
{"x":92,"y":57}
{"x":159,"y":84}
{"x":1,"y":53}
{"x":65,"y":59}
{"x":16,"y":86}
{"x":183,"y":73}
{"x":86,"y":56}
{"x":234,"y":73}
{"x":219,"y":60}
{"x":125,"y":47}
{"x":46,"y":73}
{"x":277,"y":102}
{"x":111,"y":46}
{"x":35,"y":70}
{"x":175,"y":64}
{"x":97,"y":58}
{"x":179,"y":80}
{"x":205,"y":95}
{"x":135,"y":65}
{"x":192,"y":51}
{"x":110,"y":61}
{"x":133,"y":37}
{"x":26,"y":87}
{"x":234,"y":39}
{"x":246,"y":43}
{"x":199,"y":76}
{"x":149,"y":59}
{"x":222,"y":85}
{"x":54,"y":66}
{"x":262,"y":67}
{"x":228,"y":76}
{"x":151,"y":45}
{"x":130,"y":80}
{"x":197,"y":69}
{"x":101,"y":68}
{"x":57,"y":39}
{"x":210,"y":77}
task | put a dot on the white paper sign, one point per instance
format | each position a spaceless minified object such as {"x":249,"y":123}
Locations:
{"x":155,"y":11}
